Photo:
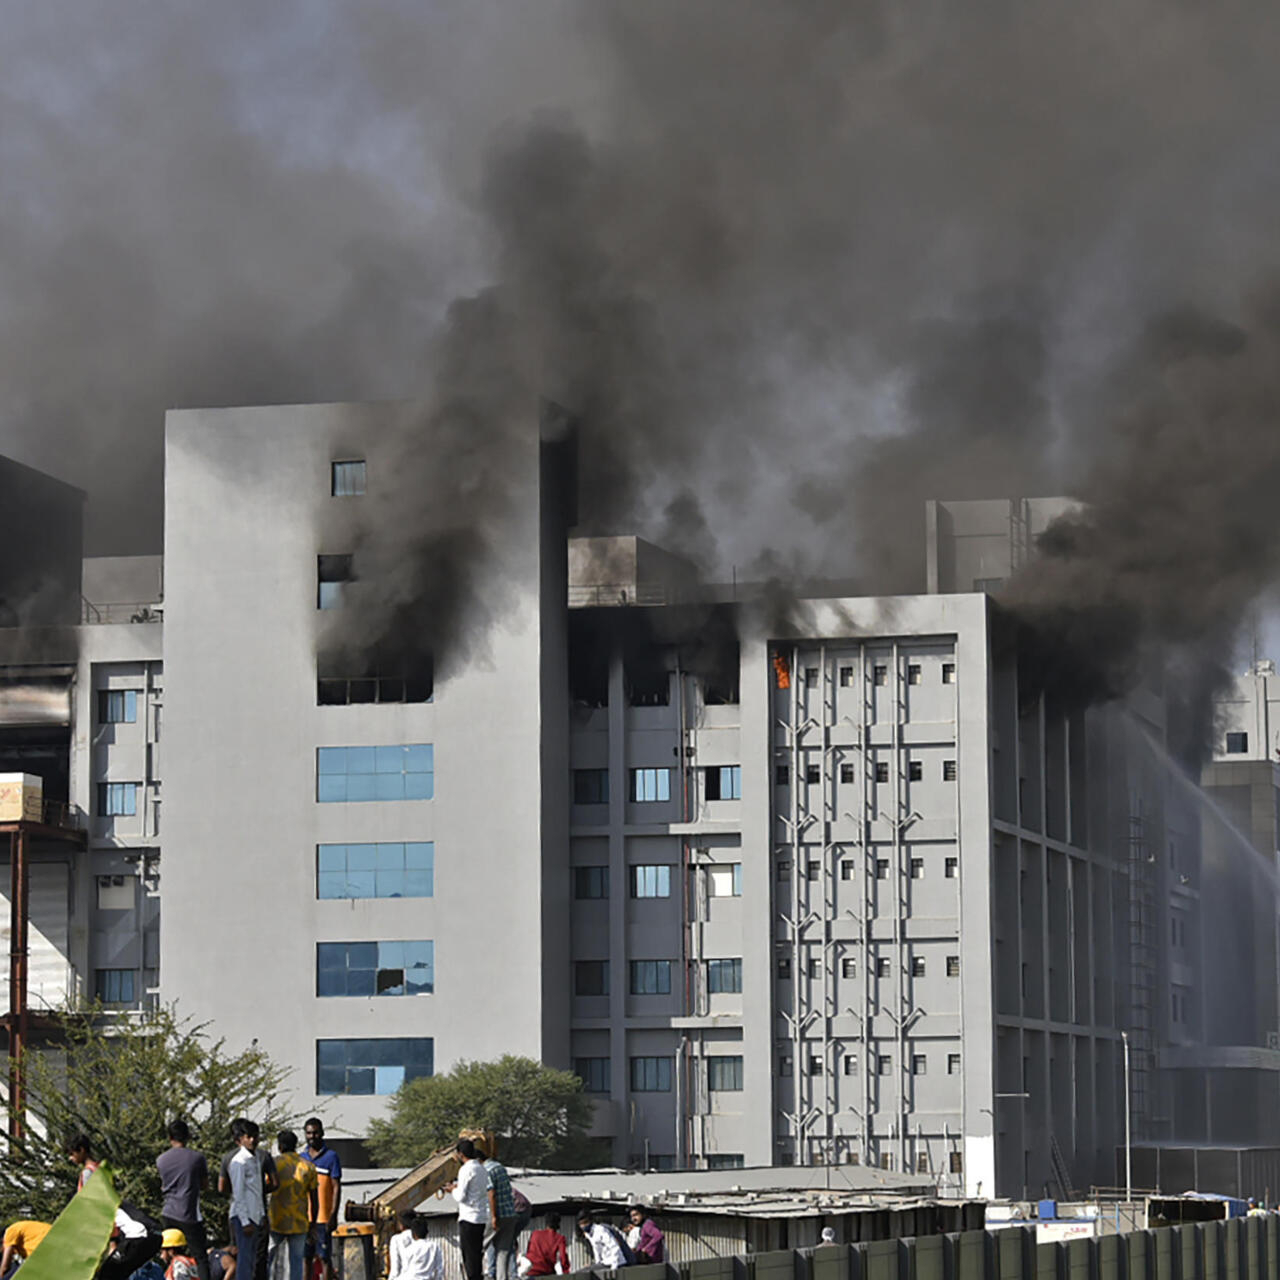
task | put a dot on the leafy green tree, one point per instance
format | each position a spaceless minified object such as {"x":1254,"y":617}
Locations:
{"x":122,"y":1083}
{"x":539,"y":1115}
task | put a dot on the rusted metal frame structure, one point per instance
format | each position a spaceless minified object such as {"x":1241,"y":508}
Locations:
{"x":17,"y":1021}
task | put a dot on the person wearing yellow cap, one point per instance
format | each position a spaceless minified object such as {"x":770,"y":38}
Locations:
{"x":20,"y":1240}
{"x":173,"y":1249}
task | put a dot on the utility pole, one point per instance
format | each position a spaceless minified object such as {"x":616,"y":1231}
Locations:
{"x":1128,"y":1126}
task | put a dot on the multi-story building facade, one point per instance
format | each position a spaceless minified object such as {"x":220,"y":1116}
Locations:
{"x":852,"y":889}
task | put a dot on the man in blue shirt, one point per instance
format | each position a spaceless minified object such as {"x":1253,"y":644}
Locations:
{"x":327,"y":1198}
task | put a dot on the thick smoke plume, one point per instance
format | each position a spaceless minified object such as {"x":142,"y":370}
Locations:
{"x":792,"y":269}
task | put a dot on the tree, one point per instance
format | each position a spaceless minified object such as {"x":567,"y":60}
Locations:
{"x":122,"y":1083}
{"x":540,"y":1115}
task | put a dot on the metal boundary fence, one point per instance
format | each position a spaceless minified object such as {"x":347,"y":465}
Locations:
{"x":1238,"y":1249}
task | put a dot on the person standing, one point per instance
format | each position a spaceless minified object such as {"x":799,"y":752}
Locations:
{"x":548,"y":1251}
{"x":249,"y":1175}
{"x":395,"y":1246}
{"x":184,"y":1174}
{"x":80,"y":1151}
{"x":649,"y":1244}
{"x":324,"y":1214}
{"x":503,"y":1217}
{"x":290,"y":1209}
{"x":471,"y":1191}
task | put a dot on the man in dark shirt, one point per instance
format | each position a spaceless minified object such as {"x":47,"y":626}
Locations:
{"x":183,"y":1176}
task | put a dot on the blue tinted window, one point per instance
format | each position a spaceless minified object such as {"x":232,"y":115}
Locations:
{"x":651,"y":881}
{"x":345,"y":774}
{"x":348,"y":479}
{"x":376,"y":870}
{"x":115,"y":986}
{"x":117,"y":799}
{"x":371,"y":1066}
{"x":651,"y":977}
{"x":650,"y":785}
{"x":382,"y":968}
{"x":650,"y":1075}
{"x":118,"y":706}
{"x":724,"y":976}
{"x":594,"y":1074}
{"x":724,"y":1074}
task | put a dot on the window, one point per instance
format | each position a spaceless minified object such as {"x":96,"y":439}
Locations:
{"x":948,"y":771}
{"x":114,"y":986}
{"x":953,"y":1064}
{"x":917,"y":868}
{"x":591,"y":786}
{"x":726,"y":881}
{"x":348,"y":478}
{"x":813,"y":870}
{"x":915,"y":771}
{"x":650,"y":785}
{"x":332,"y":574}
{"x":948,"y":673}
{"x":884,"y":1064}
{"x":650,"y":977}
{"x":851,"y":1064}
{"x":651,"y":881}
{"x":951,"y":868}
{"x":784,"y":967}
{"x":781,"y":775}
{"x":846,"y":773}
{"x":372,"y":1067}
{"x":724,"y":1075}
{"x":913,"y":673}
{"x":376,"y":870}
{"x":118,"y":706}
{"x":815,"y":968}
{"x":812,"y":774}
{"x":117,"y":799}
{"x":725,"y":1161}
{"x":815,"y":1065}
{"x":846,"y":677}
{"x":919,"y":1064}
{"x":724,"y":977}
{"x":650,"y":1075}
{"x":785,"y":1065}
{"x":723,"y":782}
{"x":883,"y":967}
{"x":784,"y":869}
{"x":988,"y":584}
{"x":886,"y":1160}
{"x":594,"y":1074}
{"x":881,"y":673}
{"x":591,"y":978}
{"x":1178,"y":1007}
{"x":957,"y":1162}
{"x":590,"y":882}
{"x":953,"y":966}
{"x":343,"y":681}
{"x":882,"y":868}
{"x":1237,"y":744}
{"x":846,"y":870}
{"x":849,"y":967}
{"x":917,"y":966}
{"x":115,"y":893}
{"x":375,"y":968}
{"x":811,"y":675}
{"x":922,"y":1162}
{"x":375,"y":773}
{"x":882,"y":771}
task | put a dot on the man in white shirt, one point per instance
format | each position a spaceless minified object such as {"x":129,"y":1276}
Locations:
{"x":248,"y":1174}
{"x":471,"y":1191}
{"x":395,"y":1246}
{"x":421,"y":1259}
{"x":604,"y":1242}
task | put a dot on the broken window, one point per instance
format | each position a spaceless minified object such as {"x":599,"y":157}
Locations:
{"x":375,"y":968}
{"x":332,"y":575}
{"x":591,"y":786}
{"x":345,"y":680}
{"x":647,"y":679}
{"x":723,"y":782}
{"x":1237,"y":744}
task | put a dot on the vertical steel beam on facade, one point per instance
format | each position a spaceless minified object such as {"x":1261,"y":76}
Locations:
{"x":19,"y":909}
{"x":900,"y":872}
{"x":797,"y":950}
{"x":866,"y":682}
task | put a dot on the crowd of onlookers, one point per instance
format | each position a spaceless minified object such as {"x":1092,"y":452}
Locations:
{"x":492,"y":1217}
{"x":283,"y":1211}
